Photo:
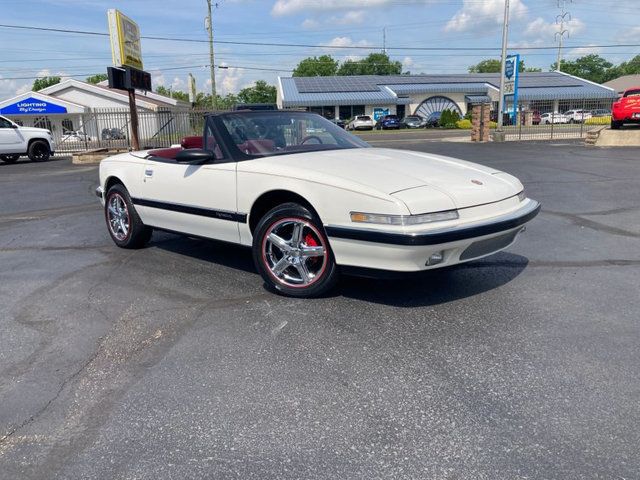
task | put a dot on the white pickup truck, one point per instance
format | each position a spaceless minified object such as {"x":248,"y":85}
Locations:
{"x":15,"y":141}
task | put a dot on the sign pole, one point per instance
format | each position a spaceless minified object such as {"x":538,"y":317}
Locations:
{"x":134,"y":119}
{"x":505,"y":34}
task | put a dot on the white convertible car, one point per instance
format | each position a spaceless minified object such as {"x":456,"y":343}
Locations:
{"x":312,"y":200}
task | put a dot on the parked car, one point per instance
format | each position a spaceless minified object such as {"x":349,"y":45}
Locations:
{"x":77,"y":136}
{"x":626,"y":109}
{"x":318,"y":205}
{"x":361,"y":122}
{"x":15,"y":141}
{"x":337,"y":121}
{"x":536,"y":118}
{"x":388,"y":121}
{"x":433,"y":120}
{"x":601,"y":112}
{"x":577,"y":116}
{"x":413,"y":121}
{"x":112,"y":134}
{"x":553,"y":117}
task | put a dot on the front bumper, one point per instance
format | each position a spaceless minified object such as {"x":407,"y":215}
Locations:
{"x":407,"y":252}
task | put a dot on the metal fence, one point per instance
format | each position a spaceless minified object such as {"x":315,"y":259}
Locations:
{"x":111,"y":128}
{"x":550,"y":120}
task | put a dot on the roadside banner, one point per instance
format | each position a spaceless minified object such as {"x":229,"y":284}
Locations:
{"x":125,"y":40}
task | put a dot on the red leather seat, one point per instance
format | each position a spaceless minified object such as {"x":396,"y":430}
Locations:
{"x":191,"y":142}
{"x":257,"y":146}
{"x":169,"y":153}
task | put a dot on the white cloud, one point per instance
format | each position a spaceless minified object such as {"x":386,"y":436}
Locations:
{"x":407,"y":63}
{"x":227,"y":80}
{"x":476,"y":15}
{"x":582,"y":51}
{"x":352,"y":17}
{"x":347,"y":42}
{"x":310,"y":24}
{"x":541,"y":30}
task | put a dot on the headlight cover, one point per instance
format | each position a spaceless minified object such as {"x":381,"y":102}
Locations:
{"x":522,"y":196}
{"x":404,"y":220}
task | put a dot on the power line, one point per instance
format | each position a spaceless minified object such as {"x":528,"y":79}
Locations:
{"x":305,"y":45}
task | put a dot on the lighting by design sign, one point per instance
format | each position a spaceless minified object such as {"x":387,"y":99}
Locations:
{"x":32,"y":106}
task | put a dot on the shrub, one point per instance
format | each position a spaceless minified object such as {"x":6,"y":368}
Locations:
{"x":448,"y":119}
{"x":598,"y":120}
{"x":493,"y":124}
{"x":464,"y":124}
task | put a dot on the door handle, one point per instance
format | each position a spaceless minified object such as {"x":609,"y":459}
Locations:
{"x":148,"y":173}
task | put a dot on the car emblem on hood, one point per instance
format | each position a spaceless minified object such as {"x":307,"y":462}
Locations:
{"x":477,"y":182}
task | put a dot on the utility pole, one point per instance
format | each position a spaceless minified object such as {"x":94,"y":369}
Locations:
{"x":384,"y":40}
{"x":559,"y":35}
{"x":212,"y":67}
{"x":505,"y":37}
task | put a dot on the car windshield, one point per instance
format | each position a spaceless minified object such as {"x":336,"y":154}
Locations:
{"x":632,"y":93}
{"x":262,"y":134}
{"x":413,"y":118}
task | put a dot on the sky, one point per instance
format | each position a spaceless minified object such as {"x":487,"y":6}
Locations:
{"x":323,"y":25}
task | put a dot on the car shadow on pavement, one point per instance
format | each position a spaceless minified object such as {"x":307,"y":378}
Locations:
{"x":438,"y":286}
{"x":413,"y":290}
{"x":211,"y":251}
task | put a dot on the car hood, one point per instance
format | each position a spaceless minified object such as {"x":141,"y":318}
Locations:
{"x":391,"y":172}
{"x":34,"y":130}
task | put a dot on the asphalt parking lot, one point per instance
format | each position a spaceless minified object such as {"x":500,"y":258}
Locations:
{"x":174,"y":362}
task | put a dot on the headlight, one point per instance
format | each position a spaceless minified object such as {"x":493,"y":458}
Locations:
{"x":522,"y":196}
{"x":404,"y":220}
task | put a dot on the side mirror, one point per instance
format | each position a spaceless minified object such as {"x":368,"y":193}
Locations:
{"x":194,"y":156}
{"x":13,"y":125}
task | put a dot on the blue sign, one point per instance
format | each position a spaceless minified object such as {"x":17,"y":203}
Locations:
{"x":380,"y":112}
{"x":509,"y":67}
{"x":32,"y":106}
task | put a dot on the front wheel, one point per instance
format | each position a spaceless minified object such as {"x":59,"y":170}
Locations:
{"x":124,"y":224}
{"x":9,"y":158}
{"x":39,"y":151}
{"x":292,"y":253}
{"x":616,"y":124}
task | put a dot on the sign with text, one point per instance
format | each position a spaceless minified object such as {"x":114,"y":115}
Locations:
{"x":32,"y":106}
{"x":379,"y":113}
{"x":125,"y":40}
{"x":511,"y":74}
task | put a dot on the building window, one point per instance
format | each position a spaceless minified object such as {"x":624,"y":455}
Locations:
{"x":345,"y":112}
{"x":357,"y":110}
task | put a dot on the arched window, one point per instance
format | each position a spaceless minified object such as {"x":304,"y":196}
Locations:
{"x":437,"y":104}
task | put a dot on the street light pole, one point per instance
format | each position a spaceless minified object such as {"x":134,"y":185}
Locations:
{"x":211,"y":57}
{"x":505,"y":36}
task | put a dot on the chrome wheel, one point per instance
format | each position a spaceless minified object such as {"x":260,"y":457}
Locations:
{"x":118,"y":217}
{"x":294,"y":252}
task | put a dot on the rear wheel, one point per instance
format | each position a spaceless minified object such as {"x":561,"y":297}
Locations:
{"x":124,"y":224}
{"x":9,"y":158}
{"x":39,"y":151}
{"x":292,"y":253}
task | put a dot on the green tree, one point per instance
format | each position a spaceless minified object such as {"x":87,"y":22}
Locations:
{"x":374,"y":64}
{"x":494,"y":66}
{"x":97,"y":78}
{"x":261,"y":92}
{"x":44,"y":82}
{"x":590,"y":67}
{"x":322,"y":66}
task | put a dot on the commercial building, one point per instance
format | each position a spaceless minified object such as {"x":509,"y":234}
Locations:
{"x":73,"y":105}
{"x":346,"y":96}
{"x":623,"y":83}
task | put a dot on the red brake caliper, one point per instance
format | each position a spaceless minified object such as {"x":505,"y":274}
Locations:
{"x":311,"y":242}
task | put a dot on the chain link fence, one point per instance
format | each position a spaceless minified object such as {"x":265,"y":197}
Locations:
{"x":553,"y":119}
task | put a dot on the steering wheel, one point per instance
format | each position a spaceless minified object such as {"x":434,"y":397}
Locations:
{"x":310,"y":137}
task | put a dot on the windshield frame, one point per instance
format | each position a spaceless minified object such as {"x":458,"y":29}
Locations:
{"x":233,"y":153}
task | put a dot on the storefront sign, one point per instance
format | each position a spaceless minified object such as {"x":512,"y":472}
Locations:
{"x":32,"y":106}
{"x":380,"y":112}
{"x":125,"y":40}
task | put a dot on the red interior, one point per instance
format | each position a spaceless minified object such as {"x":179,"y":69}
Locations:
{"x":170,"y":153}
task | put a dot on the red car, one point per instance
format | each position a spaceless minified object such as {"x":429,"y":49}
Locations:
{"x":626,"y":109}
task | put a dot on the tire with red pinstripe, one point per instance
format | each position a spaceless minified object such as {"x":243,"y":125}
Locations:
{"x":292,"y":253}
